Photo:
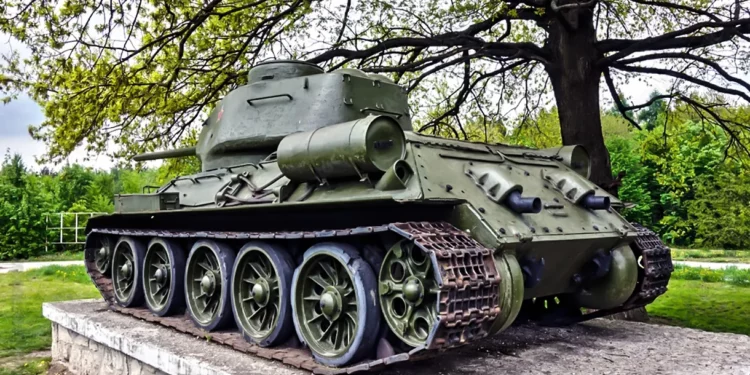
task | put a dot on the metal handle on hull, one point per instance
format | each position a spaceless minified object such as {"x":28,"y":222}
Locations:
{"x":371,"y":109}
{"x":251,"y":100}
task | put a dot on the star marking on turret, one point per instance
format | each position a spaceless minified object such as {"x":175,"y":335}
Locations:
{"x":221,"y":112}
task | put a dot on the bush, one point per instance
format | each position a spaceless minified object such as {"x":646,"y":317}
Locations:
{"x":730,"y":275}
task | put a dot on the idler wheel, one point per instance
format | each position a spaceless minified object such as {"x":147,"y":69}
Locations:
{"x":335,"y":312}
{"x":163,"y":275}
{"x":261,"y":293}
{"x":409,"y":292}
{"x":510,"y":292}
{"x":103,"y":256}
{"x":127,"y":259}
{"x":207,"y":284}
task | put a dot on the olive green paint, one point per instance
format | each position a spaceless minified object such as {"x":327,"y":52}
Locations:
{"x":305,"y":138}
{"x":326,"y":298}
{"x":408,"y":287}
{"x":510,"y":292}
{"x":257,"y":295}
{"x":616,"y":287}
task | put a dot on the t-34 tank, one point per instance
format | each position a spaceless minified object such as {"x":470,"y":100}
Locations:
{"x":326,"y":233}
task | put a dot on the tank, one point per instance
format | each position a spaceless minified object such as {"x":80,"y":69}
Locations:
{"x":325,"y":233}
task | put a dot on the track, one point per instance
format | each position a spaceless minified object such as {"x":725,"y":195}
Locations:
{"x":468,"y":282}
{"x":468,"y":300}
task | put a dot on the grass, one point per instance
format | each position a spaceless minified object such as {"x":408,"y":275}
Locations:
{"x":37,"y":366}
{"x":717,"y":256}
{"x":717,"y":307}
{"x":56,"y":256}
{"x":23,"y":329}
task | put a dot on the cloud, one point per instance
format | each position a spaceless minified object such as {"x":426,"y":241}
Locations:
{"x":16,"y":116}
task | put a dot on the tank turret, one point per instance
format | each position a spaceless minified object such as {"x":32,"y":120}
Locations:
{"x":284,"y":97}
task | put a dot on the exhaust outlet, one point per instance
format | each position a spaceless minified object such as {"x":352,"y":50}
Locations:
{"x":594,"y":202}
{"x":521,"y":205}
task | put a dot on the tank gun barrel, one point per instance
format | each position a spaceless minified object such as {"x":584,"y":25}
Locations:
{"x":176,"y":153}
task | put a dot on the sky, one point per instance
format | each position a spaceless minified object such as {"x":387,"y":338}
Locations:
{"x":19,"y":114}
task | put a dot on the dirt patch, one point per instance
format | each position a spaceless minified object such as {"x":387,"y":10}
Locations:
{"x":40,"y":360}
{"x":18,"y":361}
{"x":57,"y":368}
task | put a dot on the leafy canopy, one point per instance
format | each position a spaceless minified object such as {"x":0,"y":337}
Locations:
{"x":140,"y":74}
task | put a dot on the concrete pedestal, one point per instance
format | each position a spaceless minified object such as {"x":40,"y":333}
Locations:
{"x":89,"y":339}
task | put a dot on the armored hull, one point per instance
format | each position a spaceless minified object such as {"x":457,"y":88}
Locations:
{"x":354,"y":243}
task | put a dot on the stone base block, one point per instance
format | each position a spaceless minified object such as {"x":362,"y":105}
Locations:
{"x":89,"y":339}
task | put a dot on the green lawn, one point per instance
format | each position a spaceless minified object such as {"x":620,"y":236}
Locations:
{"x":718,"y":307}
{"x":58,"y":256}
{"x":23,"y":329}
{"x":718,"y":256}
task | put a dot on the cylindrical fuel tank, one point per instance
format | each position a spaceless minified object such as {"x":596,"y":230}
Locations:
{"x":368,"y":145}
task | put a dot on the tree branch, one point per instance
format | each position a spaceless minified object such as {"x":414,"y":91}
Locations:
{"x":688,"y":56}
{"x":672,"y":40}
{"x":684,"y":77}
{"x":616,"y":97}
{"x":464,"y":38}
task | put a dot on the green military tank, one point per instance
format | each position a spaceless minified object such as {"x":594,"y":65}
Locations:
{"x":324,"y":233}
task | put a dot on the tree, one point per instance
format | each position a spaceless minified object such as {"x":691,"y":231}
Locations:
{"x":721,"y":209}
{"x":650,"y":114}
{"x":142,"y":74}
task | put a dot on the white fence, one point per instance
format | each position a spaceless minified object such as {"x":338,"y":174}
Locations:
{"x":67,"y":228}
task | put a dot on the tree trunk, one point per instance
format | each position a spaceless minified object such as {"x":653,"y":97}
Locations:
{"x":575,"y":81}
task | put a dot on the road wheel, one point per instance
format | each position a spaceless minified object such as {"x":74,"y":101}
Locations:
{"x":127,"y":265}
{"x":261,"y":289}
{"x":163,"y":275}
{"x":207,"y":285}
{"x":336,"y":311}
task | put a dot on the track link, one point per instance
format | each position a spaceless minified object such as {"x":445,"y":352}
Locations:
{"x":468,"y":297}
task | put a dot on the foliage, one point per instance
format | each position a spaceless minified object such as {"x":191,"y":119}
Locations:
{"x":635,"y":188}
{"x":27,"y":196}
{"x":731,"y":275}
{"x":23,"y":203}
{"x":714,"y":256}
{"x":721,"y":209}
{"x":23,"y":329}
{"x":717,"y":307}
{"x":142,"y":76}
